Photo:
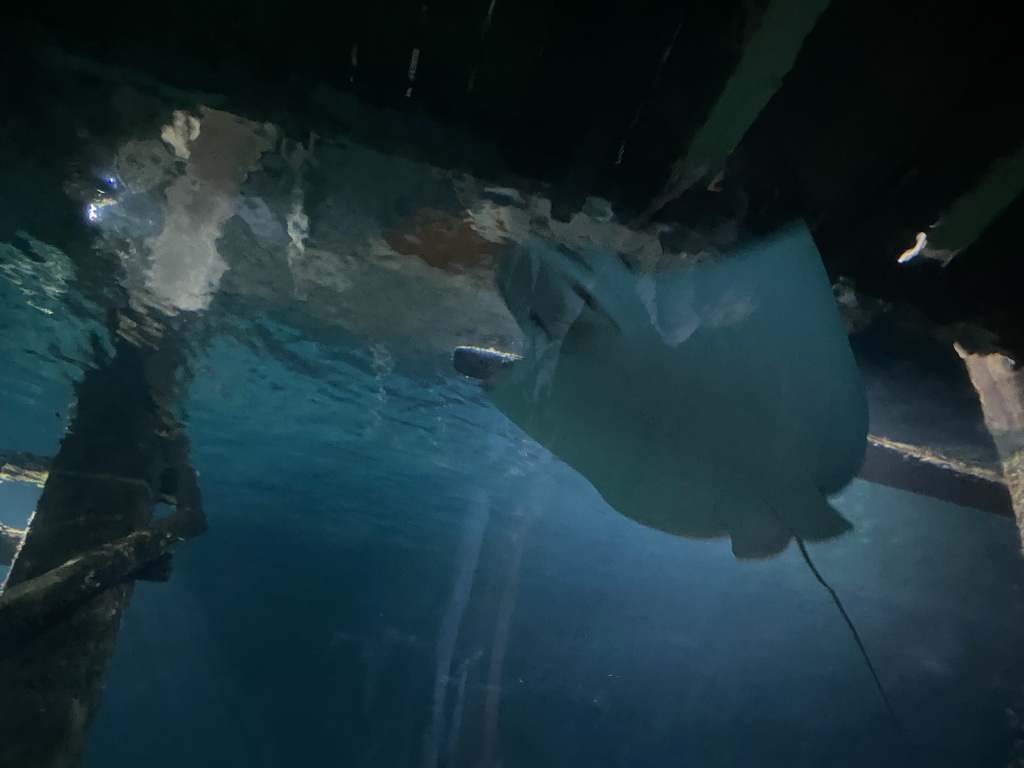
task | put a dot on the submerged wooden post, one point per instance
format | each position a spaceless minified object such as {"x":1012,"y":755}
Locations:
{"x":1000,"y":386}
{"x":70,"y":583}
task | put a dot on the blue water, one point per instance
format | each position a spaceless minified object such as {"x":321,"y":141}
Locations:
{"x":396,"y":577}
{"x":304,"y":627}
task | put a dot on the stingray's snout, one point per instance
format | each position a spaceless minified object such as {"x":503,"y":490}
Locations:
{"x":545,"y":290}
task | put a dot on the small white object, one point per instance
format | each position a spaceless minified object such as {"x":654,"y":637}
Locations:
{"x":910,"y":253}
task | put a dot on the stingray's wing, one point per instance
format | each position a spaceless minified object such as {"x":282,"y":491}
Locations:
{"x":772,"y":333}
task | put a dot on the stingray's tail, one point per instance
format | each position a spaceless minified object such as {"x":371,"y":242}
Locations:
{"x":856,"y":636}
{"x":853,"y":629}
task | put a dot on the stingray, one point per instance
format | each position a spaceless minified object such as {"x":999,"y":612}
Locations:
{"x":716,"y":400}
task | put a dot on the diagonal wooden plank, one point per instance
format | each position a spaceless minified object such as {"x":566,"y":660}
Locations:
{"x":769,"y":55}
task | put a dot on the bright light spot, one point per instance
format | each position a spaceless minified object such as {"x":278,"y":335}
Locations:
{"x":907,"y":255}
{"x":93,"y":211}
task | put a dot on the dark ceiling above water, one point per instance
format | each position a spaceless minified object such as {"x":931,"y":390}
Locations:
{"x":889,"y":115}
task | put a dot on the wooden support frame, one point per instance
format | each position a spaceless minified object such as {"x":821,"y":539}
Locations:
{"x":90,"y":538}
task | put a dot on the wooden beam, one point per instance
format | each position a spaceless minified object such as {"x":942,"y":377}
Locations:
{"x":767,"y":58}
{"x":925,"y":472}
{"x":936,"y":459}
{"x":970,"y":215}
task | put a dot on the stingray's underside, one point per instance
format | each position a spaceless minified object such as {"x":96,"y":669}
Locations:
{"x":720,"y":400}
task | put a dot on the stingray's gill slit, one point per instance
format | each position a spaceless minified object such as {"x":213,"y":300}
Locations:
{"x":897,"y":722}
{"x":594,"y":305}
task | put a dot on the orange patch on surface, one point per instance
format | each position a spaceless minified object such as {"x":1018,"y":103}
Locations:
{"x":444,"y":241}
